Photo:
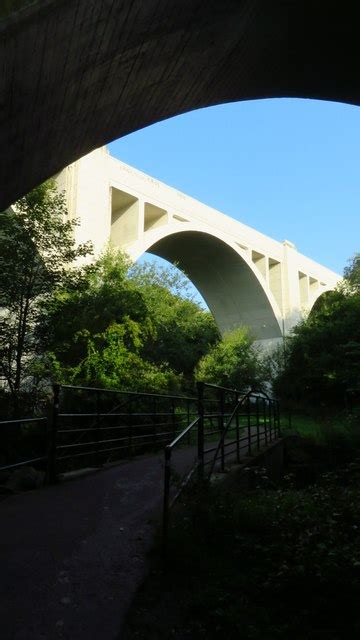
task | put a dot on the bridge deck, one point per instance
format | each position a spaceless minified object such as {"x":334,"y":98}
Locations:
{"x":72,"y":555}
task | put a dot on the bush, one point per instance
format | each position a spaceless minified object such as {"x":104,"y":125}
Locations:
{"x":233,"y":362}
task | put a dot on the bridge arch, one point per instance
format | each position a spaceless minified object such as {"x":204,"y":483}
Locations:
{"x":317,"y":299}
{"x":233,"y":288}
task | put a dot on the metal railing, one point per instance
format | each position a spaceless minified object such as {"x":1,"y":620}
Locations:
{"x":94,"y":426}
{"x":230,"y":425}
{"x":24,"y":442}
{"x":261,"y":426}
{"x":169,"y":499}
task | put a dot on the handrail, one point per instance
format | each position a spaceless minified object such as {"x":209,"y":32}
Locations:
{"x":181,"y":435}
{"x":126,"y":399}
{"x":128,"y":393}
{"x":167,"y":476}
{"x":216,"y":386}
{"x":264,"y":393}
{"x":22,"y":420}
{"x":226,"y":428}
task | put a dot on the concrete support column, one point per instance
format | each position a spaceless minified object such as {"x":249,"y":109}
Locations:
{"x":141,"y":220}
{"x":292,"y":303}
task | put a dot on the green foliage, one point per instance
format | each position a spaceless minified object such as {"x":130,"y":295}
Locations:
{"x":129,"y":327}
{"x":323,"y":355}
{"x":183,"y":332}
{"x":321,"y":364}
{"x":106,"y":296}
{"x":341,"y":430}
{"x":233,"y":362}
{"x":113,"y":360}
{"x":352,"y":274}
{"x":37,"y":250}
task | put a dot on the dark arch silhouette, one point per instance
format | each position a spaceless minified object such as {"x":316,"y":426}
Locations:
{"x":77,"y":74}
{"x":230,"y":287}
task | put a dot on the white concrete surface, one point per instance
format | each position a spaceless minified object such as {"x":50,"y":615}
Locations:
{"x":245,"y":277}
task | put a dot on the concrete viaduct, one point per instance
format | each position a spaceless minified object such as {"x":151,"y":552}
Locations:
{"x":76,"y":74}
{"x":245,"y":277}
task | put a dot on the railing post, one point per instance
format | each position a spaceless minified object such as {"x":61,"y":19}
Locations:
{"x":130,"y":447}
{"x":166,"y":506}
{"x":257,"y":424}
{"x":188,"y":419}
{"x":265,"y":420}
{"x":97,"y":429}
{"x":248,"y":425}
{"x":154,"y":421}
{"x":237,"y":431}
{"x":278,"y":418}
{"x":200,"y":444}
{"x":222,"y":410}
{"x":52,"y":443}
{"x":173,"y":421}
{"x":270,"y":405}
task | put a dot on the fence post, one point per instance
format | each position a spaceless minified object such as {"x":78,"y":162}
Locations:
{"x":97,"y":428}
{"x":278,"y":418}
{"x":154,"y":422}
{"x":200,"y":389}
{"x":173,"y":420}
{"x":222,"y":410}
{"x":265,"y":420}
{"x":51,"y":462}
{"x":257,"y":424}
{"x":167,"y":475}
{"x":248,"y":425}
{"x":130,"y":447}
{"x":270,"y":405}
{"x":188,"y":419}
{"x":237,"y":431}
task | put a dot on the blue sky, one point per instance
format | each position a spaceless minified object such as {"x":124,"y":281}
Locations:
{"x":288,"y":168}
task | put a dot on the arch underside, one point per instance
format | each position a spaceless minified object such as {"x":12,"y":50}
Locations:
{"x":233,"y":293}
{"x":76,"y":75}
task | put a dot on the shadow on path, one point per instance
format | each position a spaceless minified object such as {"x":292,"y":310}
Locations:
{"x":72,"y":555}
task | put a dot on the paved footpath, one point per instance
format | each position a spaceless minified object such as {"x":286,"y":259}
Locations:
{"x":73,"y":555}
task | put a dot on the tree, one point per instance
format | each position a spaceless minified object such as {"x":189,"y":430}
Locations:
{"x":234,"y":362}
{"x":323,"y":354}
{"x":114,"y":360}
{"x":37,"y":251}
{"x":130,"y":327}
{"x":352,"y":275}
{"x":183,"y":331}
{"x":107,"y":296}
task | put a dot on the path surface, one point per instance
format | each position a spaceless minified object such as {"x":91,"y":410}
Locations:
{"x":72,"y":555}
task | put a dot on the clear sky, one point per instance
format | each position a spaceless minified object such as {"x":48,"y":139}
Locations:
{"x":288,"y":168}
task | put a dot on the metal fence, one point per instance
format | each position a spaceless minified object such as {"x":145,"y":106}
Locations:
{"x":90,"y":427}
{"x":230,"y":425}
{"x":24,"y":442}
{"x":94,"y":426}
